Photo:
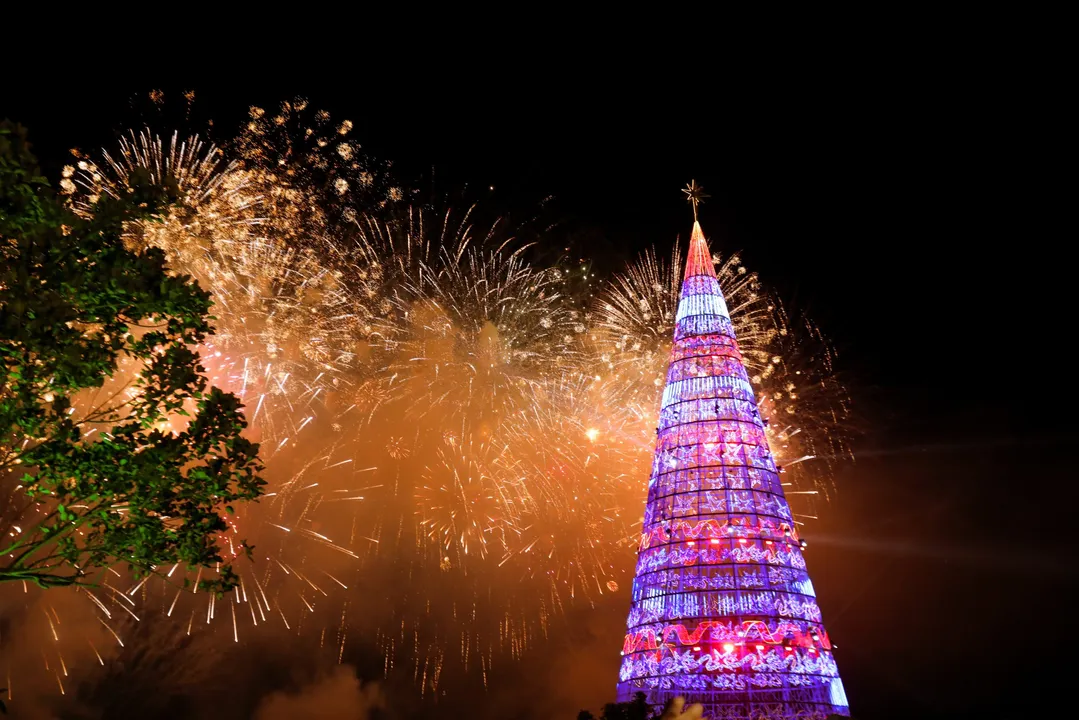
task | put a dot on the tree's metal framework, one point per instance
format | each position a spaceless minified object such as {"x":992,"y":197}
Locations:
{"x":723,"y":610}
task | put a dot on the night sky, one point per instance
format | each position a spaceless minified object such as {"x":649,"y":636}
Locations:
{"x":893,"y":197}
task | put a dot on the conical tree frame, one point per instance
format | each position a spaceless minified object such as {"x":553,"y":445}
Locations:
{"x":723,"y":612}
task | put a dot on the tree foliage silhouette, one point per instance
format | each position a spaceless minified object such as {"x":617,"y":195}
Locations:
{"x":144,"y":477}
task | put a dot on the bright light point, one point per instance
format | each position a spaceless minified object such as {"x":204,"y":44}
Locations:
{"x":592,"y":434}
{"x":728,"y":647}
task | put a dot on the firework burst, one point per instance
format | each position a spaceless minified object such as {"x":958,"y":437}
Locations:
{"x":790,"y":367}
{"x":467,"y":501}
{"x":317,"y":174}
{"x":633,"y":318}
{"x":285,"y":332}
{"x":581,"y":457}
{"x":285,"y":341}
{"x":467,"y":325}
{"x":438,"y":414}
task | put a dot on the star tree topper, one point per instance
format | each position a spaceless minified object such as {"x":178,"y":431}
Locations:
{"x":694,"y":194}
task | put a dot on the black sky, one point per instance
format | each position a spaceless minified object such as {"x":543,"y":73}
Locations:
{"x":903,"y":195}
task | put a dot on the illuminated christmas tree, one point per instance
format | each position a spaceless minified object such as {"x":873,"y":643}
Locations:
{"x":723,"y":610}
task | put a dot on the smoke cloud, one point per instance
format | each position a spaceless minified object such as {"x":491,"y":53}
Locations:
{"x":337,"y":696}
